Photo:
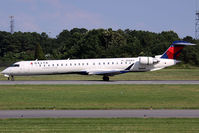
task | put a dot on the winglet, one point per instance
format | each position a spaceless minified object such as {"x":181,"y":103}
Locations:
{"x":128,"y":68}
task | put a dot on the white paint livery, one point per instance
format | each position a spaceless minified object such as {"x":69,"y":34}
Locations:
{"x":106,"y":67}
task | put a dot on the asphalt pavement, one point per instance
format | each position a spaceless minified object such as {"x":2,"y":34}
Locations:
{"x":99,"y":114}
{"x":91,"y":82}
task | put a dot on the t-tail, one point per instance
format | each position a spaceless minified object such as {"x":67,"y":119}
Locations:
{"x":175,"y":49}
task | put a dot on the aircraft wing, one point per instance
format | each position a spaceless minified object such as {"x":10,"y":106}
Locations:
{"x":106,"y":72}
{"x":109,"y":72}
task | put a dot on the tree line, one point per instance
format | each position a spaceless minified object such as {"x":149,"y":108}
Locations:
{"x":80,"y":43}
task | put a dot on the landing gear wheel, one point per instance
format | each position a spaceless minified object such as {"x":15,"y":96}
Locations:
{"x":106,"y":78}
{"x":12,"y":78}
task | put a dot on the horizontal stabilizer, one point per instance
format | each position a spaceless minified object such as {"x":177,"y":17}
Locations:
{"x":183,"y":43}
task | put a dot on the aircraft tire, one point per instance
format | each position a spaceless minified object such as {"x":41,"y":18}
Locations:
{"x":106,"y":78}
{"x":12,"y":78}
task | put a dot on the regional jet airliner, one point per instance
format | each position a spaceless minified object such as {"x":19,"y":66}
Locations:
{"x":105,"y":67}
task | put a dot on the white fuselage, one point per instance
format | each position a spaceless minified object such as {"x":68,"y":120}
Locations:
{"x":84,"y":66}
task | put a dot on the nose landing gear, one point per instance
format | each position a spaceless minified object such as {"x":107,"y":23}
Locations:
{"x":11,"y":78}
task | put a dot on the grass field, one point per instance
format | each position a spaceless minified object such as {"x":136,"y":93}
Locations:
{"x":103,"y":97}
{"x":99,"y":96}
{"x":164,"y":74}
{"x":101,"y":125}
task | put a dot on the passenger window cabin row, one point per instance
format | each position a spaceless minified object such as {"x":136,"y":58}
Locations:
{"x":80,"y":64}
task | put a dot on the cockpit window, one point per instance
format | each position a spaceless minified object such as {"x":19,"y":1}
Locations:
{"x":14,"y":65}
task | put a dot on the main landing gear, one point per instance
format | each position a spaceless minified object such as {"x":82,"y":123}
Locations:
{"x":11,"y":78}
{"x":105,"y":78}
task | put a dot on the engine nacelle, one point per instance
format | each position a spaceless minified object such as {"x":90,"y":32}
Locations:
{"x":147,"y":60}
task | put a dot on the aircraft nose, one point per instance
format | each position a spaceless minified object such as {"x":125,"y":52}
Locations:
{"x":5,"y":71}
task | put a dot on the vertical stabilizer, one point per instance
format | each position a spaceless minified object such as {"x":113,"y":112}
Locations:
{"x":175,"y":49}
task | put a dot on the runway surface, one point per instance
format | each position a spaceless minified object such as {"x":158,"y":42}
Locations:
{"x":90,"y":82}
{"x":99,"y":114}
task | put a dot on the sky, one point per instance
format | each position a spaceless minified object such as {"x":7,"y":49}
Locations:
{"x":53,"y":16}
